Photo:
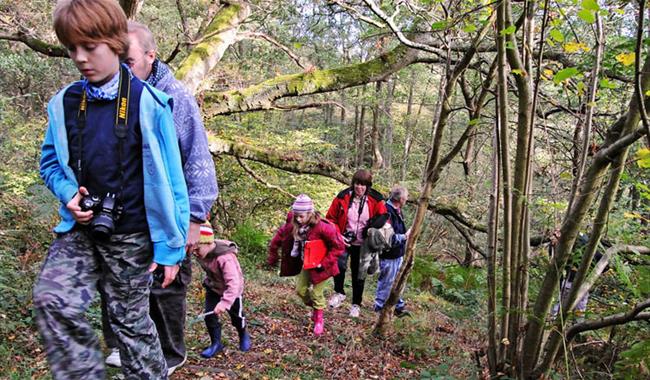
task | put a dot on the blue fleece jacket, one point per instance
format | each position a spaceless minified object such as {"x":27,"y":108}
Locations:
{"x":165,"y":192}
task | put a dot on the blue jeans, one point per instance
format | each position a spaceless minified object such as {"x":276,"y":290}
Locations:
{"x":388,"y":269}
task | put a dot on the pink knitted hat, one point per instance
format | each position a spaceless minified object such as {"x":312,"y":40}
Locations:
{"x":303,"y":204}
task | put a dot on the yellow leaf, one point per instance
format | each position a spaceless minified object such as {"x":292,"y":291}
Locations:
{"x":574,"y":47}
{"x":631,"y":215}
{"x":268,"y":351}
{"x":626,"y":58}
{"x":547,"y":74}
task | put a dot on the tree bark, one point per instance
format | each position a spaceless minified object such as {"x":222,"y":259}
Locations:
{"x":131,"y":8}
{"x":388,"y":131}
{"x":429,"y":184}
{"x":361,"y":132}
{"x":377,"y":159}
{"x":261,"y":96}
{"x":620,"y":136}
{"x":408,"y":126}
{"x":504,"y":159}
{"x":492,"y":242}
{"x":218,"y":36}
{"x":519,"y":184}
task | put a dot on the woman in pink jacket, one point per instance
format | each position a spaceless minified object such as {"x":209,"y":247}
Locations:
{"x":304,"y":225}
{"x":224,"y":288}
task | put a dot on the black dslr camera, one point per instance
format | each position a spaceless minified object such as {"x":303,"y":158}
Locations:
{"x":349,"y":236}
{"x":106,"y":212}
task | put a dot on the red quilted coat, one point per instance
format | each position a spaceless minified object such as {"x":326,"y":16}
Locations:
{"x":291,"y":266}
{"x":338,"y":211}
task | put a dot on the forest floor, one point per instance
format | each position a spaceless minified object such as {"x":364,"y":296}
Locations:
{"x":430,"y":343}
{"x":440,"y":340}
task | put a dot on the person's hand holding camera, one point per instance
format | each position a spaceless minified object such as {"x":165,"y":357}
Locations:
{"x":81,"y":217}
{"x":348,"y":238}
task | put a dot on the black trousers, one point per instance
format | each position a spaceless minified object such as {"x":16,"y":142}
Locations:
{"x":354,"y":252}
{"x":167,"y":308}
{"x":236,"y":312}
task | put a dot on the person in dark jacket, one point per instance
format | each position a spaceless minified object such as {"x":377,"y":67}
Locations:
{"x":168,"y":305}
{"x":112,"y":136}
{"x":305,"y":226}
{"x":354,"y":210}
{"x":390,"y":260}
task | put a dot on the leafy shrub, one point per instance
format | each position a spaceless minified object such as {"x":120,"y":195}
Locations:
{"x":634,"y":362}
{"x":453,"y":283}
{"x":426,"y":274}
{"x":252,"y":243}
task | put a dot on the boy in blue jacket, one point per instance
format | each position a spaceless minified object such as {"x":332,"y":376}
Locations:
{"x":111,"y":157}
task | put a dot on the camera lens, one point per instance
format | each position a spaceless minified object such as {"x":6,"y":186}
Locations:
{"x":102,"y":226}
{"x":100,"y":233}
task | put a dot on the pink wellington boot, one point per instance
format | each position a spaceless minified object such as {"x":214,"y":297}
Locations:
{"x":319,"y":324}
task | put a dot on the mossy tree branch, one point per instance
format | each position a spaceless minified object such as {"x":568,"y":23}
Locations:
{"x":293,"y":163}
{"x":262,"y":95}
{"x":36,"y":44}
{"x":208,"y":51}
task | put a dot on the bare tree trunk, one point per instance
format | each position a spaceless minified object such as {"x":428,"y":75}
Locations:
{"x":502,"y":111}
{"x":617,"y":142}
{"x":388,"y":132}
{"x":378,"y":160}
{"x":361,"y":132}
{"x":408,"y":125}
{"x":432,"y":171}
{"x":343,"y":108}
{"x":492,"y":241}
{"x":519,"y":188}
{"x":220,"y":33}
{"x":581,"y":157}
{"x":357,"y":114}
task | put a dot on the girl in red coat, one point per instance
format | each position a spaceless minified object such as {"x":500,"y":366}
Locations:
{"x":305,"y":227}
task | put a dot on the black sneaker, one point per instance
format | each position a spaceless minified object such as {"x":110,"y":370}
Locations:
{"x":399,"y":313}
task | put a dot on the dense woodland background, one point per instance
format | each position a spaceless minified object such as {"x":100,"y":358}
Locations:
{"x":507,"y":120}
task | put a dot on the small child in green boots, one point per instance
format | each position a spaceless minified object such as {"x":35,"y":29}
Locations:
{"x":224,"y":288}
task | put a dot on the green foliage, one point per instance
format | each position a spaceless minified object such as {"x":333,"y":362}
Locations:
{"x":587,"y":16}
{"x":252,"y":243}
{"x":635,"y":362}
{"x":565,"y":74}
{"x":643,"y":158}
{"x":28,"y":79}
{"x":453,"y":283}
{"x":509,"y":30}
{"x":556,"y":35}
{"x":27,"y":214}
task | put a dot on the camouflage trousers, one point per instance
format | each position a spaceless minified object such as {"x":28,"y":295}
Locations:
{"x":65,"y":289}
{"x":167,"y":309}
